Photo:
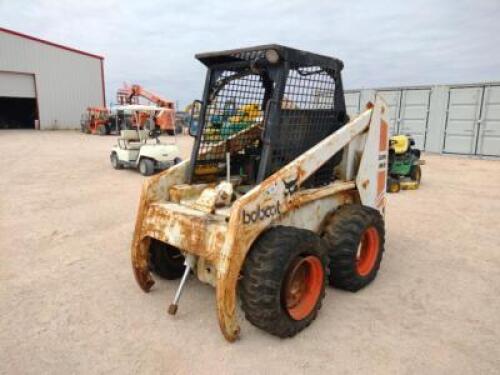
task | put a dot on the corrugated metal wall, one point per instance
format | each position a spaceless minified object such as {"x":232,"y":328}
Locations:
{"x":455,"y":119}
{"x":66,"y":82}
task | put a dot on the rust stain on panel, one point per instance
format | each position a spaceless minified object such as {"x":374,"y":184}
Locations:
{"x":383,"y":136}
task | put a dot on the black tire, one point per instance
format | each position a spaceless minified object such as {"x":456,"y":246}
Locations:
{"x":393,"y":185}
{"x":416,"y":173}
{"x":146,"y":167}
{"x":165,"y":260}
{"x":344,"y":235}
{"x":265,"y":274}
{"x":170,"y":131}
{"x":115,"y":163}
{"x":179,"y":125}
{"x":101,"y":130}
{"x":177,"y":160}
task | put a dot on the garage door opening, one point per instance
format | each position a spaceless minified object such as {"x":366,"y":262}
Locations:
{"x":17,"y":113}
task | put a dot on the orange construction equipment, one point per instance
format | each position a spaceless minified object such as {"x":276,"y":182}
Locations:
{"x":165,"y":119}
{"x":123,"y":96}
{"x":96,"y":121}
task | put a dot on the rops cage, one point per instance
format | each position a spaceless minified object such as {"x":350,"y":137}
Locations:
{"x":264,"y":106}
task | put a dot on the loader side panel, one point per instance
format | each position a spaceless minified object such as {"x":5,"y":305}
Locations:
{"x":372,"y":173}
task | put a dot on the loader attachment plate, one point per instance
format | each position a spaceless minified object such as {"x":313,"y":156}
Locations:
{"x":187,"y":229}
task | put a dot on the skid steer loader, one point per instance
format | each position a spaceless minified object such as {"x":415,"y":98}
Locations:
{"x":274,"y":204}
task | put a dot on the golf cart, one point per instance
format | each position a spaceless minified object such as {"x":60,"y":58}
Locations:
{"x":140,"y":147}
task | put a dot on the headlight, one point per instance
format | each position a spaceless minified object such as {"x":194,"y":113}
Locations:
{"x":272,"y":56}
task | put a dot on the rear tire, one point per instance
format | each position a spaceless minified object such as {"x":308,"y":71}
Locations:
{"x":170,"y":132}
{"x":416,"y":173}
{"x":165,"y":260}
{"x":354,"y":236}
{"x":284,"y":279}
{"x":146,"y":167}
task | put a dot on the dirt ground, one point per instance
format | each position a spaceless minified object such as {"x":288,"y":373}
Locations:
{"x":69,"y":302}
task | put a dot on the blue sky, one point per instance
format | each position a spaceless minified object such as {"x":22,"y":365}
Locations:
{"x":382,"y":43}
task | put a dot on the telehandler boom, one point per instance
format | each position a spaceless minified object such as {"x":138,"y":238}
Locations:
{"x":165,"y":119}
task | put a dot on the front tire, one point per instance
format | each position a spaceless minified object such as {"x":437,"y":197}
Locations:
{"x":146,"y":167}
{"x":393,"y":185}
{"x":115,"y":163}
{"x":284,"y":279}
{"x":354,"y":236}
{"x":165,"y":260}
{"x":101,"y":130}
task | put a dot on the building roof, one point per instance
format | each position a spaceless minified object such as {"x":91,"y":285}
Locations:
{"x":50,"y":43}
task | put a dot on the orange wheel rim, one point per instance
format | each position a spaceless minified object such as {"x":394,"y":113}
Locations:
{"x":303,"y":285}
{"x":367,"y":251}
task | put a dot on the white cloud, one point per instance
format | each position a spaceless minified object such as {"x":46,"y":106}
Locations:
{"x":383,"y":43}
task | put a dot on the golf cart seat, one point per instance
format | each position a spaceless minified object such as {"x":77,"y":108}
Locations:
{"x":133,"y":135}
{"x":133,"y":138}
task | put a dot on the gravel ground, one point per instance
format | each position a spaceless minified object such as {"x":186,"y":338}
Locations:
{"x":69,"y":302}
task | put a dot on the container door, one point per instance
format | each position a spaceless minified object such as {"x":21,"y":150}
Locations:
{"x":352,"y":103}
{"x":489,"y":128}
{"x":414,"y":115}
{"x":393,"y":100}
{"x":464,"y":107}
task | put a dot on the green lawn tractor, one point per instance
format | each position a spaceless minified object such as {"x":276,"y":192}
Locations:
{"x":404,"y":164}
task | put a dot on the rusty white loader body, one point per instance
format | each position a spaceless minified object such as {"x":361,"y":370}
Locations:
{"x":216,"y":223}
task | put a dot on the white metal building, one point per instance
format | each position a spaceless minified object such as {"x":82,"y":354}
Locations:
{"x":46,"y":85}
{"x":453,"y":119}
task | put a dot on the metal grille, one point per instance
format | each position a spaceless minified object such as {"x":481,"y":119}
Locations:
{"x":307,"y":117}
{"x":235,"y":108}
{"x":242,"y":85}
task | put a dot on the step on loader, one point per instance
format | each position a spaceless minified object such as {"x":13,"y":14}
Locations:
{"x":283,"y":194}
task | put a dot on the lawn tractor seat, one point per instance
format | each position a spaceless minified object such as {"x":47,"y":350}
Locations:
{"x":400,"y":144}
